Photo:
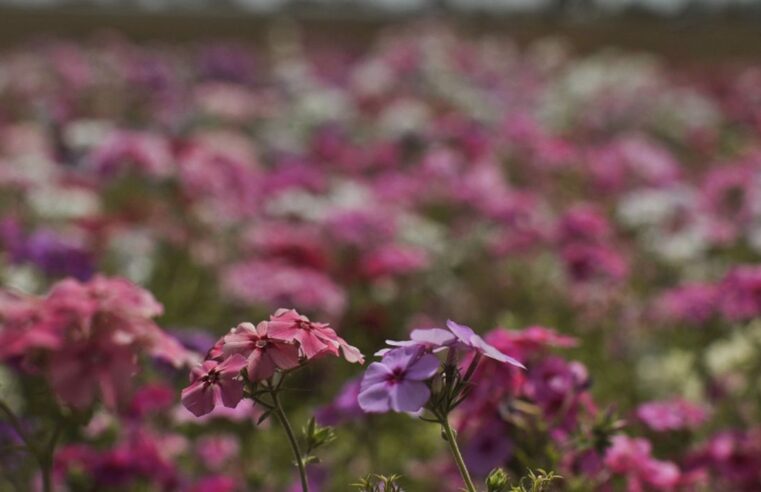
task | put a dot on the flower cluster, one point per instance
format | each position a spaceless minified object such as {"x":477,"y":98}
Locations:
{"x":284,"y":342}
{"x":85,"y":337}
{"x":398,"y":381}
{"x":418,"y":176}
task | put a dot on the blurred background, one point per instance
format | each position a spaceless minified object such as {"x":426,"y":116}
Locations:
{"x":578,"y":178}
{"x":700,"y":28}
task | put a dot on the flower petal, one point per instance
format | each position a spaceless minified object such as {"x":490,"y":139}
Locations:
{"x":423,"y":368}
{"x":374,"y":398}
{"x":198,"y":399}
{"x":409,"y":396}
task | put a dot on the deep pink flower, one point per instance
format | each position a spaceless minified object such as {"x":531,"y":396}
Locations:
{"x":213,"y":383}
{"x":740,"y":293}
{"x":690,"y":303}
{"x":265,"y":354}
{"x":632,"y":457}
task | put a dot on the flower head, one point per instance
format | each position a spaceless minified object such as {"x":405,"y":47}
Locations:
{"x":213,"y":383}
{"x":265,"y":354}
{"x":313,"y":339}
{"x":397,"y":381}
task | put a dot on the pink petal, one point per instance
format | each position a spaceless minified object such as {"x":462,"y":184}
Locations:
{"x":231,"y":392}
{"x":232,"y":365}
{"x":198,"y":399}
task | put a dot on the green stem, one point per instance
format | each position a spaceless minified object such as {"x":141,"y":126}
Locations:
{"x":280,"y":414}
{"x":450,"y":435}
{"x":44,"y":456}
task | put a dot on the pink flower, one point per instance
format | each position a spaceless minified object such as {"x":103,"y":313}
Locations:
{"x":671,"y":415}
{"x":314,"y":339}
{"x":296,"y":285}
{"x":392,"y":259}
{"x":265,"y":354}
{"x":692,"y":303}
{"x":632,"y":457}
{"x":91,"y":334}
{"x":212,"y":383}
{"x":740,"y":293}
{"x":216,"y":450}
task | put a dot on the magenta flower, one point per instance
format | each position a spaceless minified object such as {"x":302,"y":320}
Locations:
{"x":265,"y":354}
{"x":397,"y":381}
{"x":213,"y":382}
{"x":468,"y":338}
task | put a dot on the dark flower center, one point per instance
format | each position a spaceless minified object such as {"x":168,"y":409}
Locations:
{"x":396,"y":376}
{"x":212,"y":377}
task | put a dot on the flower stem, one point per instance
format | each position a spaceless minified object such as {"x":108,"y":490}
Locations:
{"x":280,"y":414}
{"x":44,"y":456}
{"x":449,"y":433}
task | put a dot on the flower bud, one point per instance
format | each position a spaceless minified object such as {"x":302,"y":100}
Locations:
{"x":497,"y":481}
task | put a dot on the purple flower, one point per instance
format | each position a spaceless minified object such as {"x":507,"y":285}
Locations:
{"x":487,"y":448}
{"x":468,"y":338}
{"x":344,"y":407}
{"x":433,"y":339}
{"x":396,"y":382}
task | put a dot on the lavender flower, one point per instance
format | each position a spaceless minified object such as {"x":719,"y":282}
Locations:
{"x":397,"y":381}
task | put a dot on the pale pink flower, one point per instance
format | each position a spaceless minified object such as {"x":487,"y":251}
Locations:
{"x":265,"y":354}
{"x":213,"y":383}
{"x":313,"y":338}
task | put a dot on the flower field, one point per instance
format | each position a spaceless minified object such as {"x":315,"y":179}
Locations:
{"x":437,"y":263}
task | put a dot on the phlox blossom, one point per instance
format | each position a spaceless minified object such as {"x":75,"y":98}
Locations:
{"x":397,"y":381}
{"x":264,"y":353}
{"x":213,"y":383}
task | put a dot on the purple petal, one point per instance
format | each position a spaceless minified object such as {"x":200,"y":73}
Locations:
{"x":463,"y":333}
{"x":494,"y":353}
{"x":401,"y":358}
{"x":409,"y":396}
{"x":376,"y":373}
{"x":374,"y":398}
{"x":423,"y":368}
{"x":432,"y":336}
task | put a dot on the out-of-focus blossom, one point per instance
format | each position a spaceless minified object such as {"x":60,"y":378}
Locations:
{"x":92,"y":334}
{"x":671,"y":415}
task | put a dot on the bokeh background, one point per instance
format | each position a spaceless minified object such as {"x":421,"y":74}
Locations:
{"x":521,"y":166}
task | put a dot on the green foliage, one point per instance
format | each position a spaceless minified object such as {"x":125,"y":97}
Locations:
{"x":379,"y":483}
{"x":534,"y":481}
{"x":314,"y":436}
